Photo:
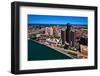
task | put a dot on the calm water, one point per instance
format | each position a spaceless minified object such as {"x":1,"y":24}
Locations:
{"x":38,"y":51}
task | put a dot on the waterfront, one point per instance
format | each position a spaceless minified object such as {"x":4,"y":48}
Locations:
{"x":68,"y":39}
{"x":38,"y":51}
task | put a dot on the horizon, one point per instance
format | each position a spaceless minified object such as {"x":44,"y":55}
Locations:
{"x":56,"y":24}
{"x":60,"y":20}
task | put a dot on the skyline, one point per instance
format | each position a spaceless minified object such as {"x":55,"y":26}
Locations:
{"x":49,"y":19}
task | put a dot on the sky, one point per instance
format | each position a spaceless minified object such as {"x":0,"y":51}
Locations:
{"x":49,"y":19}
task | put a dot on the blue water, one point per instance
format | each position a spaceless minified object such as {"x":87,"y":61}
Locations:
{"x":38,"y":51}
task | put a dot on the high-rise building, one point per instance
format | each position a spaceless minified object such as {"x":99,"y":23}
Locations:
{"x":50,"y":31}
{"x":55,"y":30}
{"x":68,"y":35}
{"x":68,"y":32}
{"x":63,"y":36}
{"x":84,"y":41}
{"x":46,"y":31}
{"x":72,"y":38}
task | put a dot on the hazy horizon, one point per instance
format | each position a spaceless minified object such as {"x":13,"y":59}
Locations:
{"x":61,"y":20}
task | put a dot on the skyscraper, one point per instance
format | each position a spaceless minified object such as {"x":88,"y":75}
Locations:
{"x":50,"y":31}
{"x":63,"y":36}
{"x":46,"y":30}
{"x":55,"y":31}
{"x":68,"y":32}
{"x":72,"y":38}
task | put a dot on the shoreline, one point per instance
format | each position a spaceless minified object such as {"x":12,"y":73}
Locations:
{"x":54,"y":49}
